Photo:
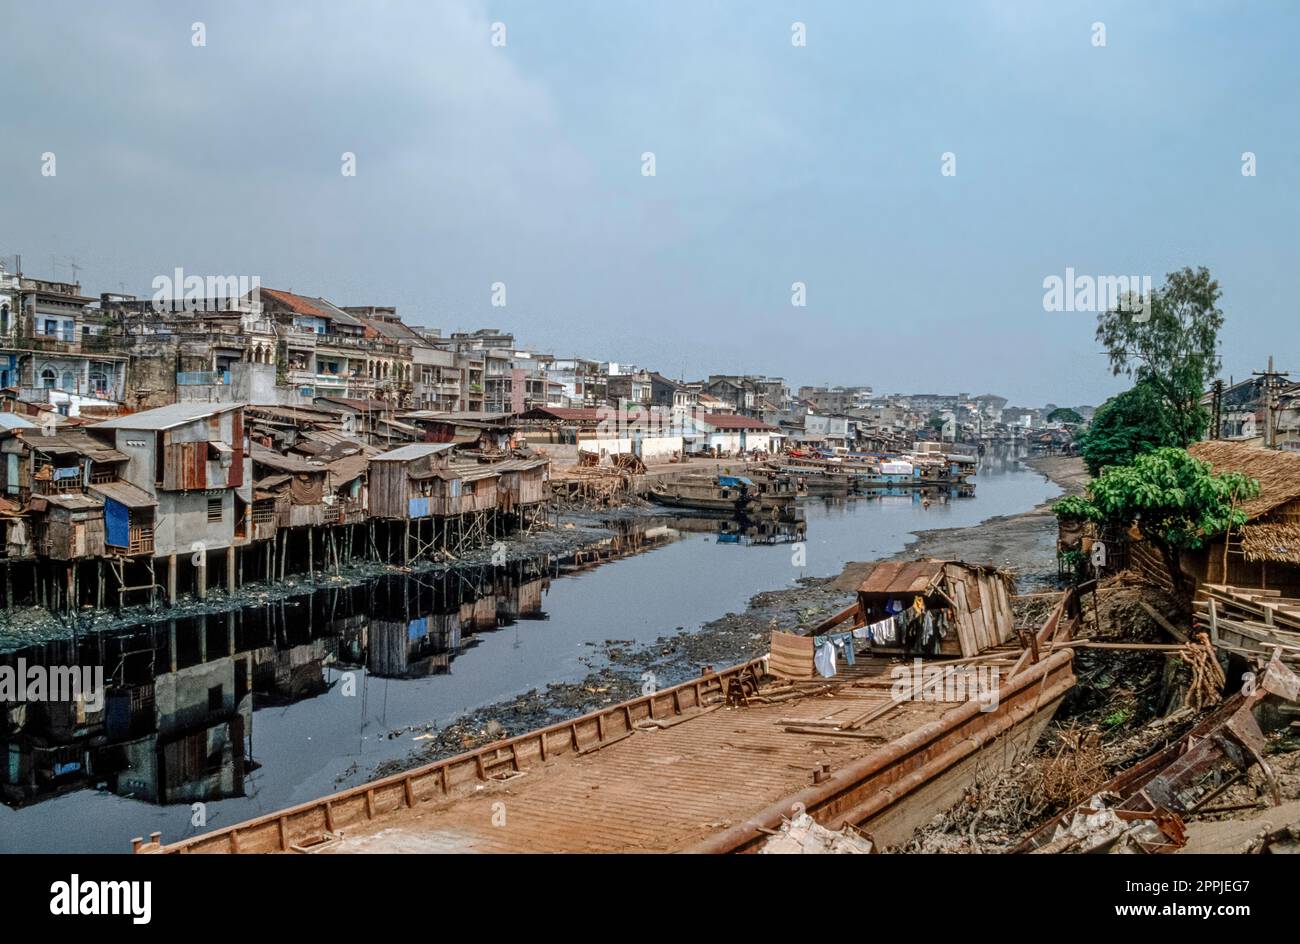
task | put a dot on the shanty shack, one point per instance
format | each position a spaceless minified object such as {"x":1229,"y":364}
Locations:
{"x":46,"y":462}
{"x":295,"y":487}
{"x":916,"y":608}
{"x":193,"y":460}
{"x":969,"y":605}
{"x":346,"y":492}
{"x":1264,"y":552}
{"x":68,"y":525}
{"x":406,"y":482}
{"x":488,"y":432}
{"x":129,"y":517}
{"x":522,"y":482}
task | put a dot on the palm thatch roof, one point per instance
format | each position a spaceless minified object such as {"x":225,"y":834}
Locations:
{"x":1277,"y":472}
{"x":1275,"y":543}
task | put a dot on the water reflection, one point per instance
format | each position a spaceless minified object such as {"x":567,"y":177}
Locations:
{"x":175,"y":722}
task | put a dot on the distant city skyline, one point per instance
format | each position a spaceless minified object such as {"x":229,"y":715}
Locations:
{"x":919,"y":171}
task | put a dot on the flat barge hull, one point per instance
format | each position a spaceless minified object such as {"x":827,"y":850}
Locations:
{"x":681,"y":771}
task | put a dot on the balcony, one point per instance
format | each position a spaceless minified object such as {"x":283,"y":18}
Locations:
{"x":300,"y":339}
{"x":140,"y":539}
{"x":202,"y":378}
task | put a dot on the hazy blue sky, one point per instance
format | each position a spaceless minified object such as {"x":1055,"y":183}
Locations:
{"x":774,"y":164}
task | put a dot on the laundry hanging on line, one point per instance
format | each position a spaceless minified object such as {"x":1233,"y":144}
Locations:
{"x":824,"y":657}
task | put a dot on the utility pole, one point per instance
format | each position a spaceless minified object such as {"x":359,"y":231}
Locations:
{"x":1218,"y":408}
{"x":1272,"y":382}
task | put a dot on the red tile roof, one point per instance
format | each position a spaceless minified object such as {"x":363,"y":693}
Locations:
{"x":735,"y":421}
{"x":296,"y":303}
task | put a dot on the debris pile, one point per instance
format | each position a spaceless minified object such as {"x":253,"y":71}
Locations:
{"x":803,"y":836}
{"x":1206,"y":688}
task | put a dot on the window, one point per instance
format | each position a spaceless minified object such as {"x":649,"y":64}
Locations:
{"x":215,"y":701}
{"x":214,"y":509}
{"x":48,"y":378}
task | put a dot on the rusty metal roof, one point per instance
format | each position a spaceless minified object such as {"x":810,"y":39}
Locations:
{"x":902,"y":577}
{"x":167,"y":417}
{"x":74,"y":442}
{"x":124,"y":493}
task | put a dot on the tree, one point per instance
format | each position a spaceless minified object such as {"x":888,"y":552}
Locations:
{"x":1171,"y":344}
{"x":1175,"y":500}
{"x":1065,"y":416}
{"x":1126,"y":426}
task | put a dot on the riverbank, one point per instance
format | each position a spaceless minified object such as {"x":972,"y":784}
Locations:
{"x":1024,"y":543}
{"x":573,"y":533}
{"x":1020,"y":541}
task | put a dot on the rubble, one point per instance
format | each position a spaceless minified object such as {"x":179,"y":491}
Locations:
{"x":803,"y":836}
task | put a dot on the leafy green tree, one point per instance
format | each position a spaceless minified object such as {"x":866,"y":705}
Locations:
{"x":1066,"y":416}
{"x":1175,"y":500}
{"x":1125,"y":426}
{"x":1170,"y":343}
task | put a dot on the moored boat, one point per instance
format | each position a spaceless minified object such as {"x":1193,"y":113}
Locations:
{"x":715,"y":763}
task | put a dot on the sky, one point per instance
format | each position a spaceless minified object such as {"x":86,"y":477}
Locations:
{"x":523,"y":163}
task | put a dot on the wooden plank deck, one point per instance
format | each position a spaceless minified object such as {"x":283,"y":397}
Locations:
{"x":660,"y":789}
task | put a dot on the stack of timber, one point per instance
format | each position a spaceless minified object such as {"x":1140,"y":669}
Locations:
{"x":1250,"y":622}
{"x":602,"y":486}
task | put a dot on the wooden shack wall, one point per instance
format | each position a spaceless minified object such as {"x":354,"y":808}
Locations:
{"x":479,"y":495}
{"x":74,"y":535}
{"x":984,"y":618}
{"x":389,"y":489}
{"x":532,"y":486}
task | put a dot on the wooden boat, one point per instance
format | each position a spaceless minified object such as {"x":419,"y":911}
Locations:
{"x":709,"y":765}
{"x":730,"y":494}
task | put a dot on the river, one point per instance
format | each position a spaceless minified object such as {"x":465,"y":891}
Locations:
{"x":342,"y":680}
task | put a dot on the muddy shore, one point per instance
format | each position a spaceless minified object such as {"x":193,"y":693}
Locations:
{"x":1024,"y":542}
{"x":27,"y":626}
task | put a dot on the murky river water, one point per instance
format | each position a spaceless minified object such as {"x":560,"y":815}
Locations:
{"x":332,"y":673}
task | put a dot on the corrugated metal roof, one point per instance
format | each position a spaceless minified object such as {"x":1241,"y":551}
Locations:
{"x":167,"y":417}
{"x":348,"y":468}
{"x":902,"y":577}
{"x":75,"y":442}
{"x":518,"y":465}
{"x":14,"y":421}
{"x":281,"y":463}
{"x":73,"y":501}
{"x":413,"y":451}
{"x":124,"y":493}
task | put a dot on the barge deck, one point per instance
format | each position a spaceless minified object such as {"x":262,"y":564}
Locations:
{"x":708,"y":766}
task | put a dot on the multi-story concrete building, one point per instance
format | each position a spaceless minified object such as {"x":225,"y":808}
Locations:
{"x":45,"y":351}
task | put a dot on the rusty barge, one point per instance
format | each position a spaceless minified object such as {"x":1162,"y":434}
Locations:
{"x":710,"y":765}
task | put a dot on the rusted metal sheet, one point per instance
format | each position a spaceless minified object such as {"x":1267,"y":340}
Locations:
{"x":235,"y":477}
{"x":1175,"y":781}
{"x":792,"y":656}
{"x":902,"y":577}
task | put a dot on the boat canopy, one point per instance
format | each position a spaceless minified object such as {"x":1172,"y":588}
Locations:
{"x":733,"y":481}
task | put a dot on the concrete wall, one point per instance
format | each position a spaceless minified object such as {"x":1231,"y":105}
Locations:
{"x":660,"y":448}
{"x":182,"y":520}
{"x":730,"y":441}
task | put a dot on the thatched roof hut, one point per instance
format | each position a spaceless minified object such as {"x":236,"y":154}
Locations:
{"x":1277,"y":472}
{"x":1266,"y":550}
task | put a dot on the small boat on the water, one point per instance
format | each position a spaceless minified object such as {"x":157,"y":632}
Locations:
{"x":730,"y":494}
